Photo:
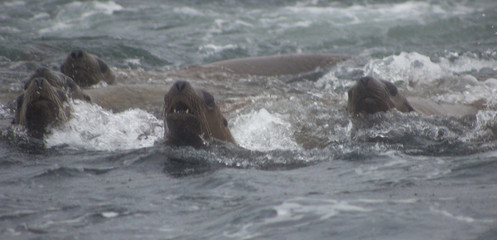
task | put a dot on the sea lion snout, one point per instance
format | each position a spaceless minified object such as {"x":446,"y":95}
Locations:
{"x":180,"y":85}
{"x":77,"y":54}
{"x":364,"y":81}
{"x":39,"y":82}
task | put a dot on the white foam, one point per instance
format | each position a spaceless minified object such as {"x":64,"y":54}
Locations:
{"x":264,"y":131}
{"x":412,"y":67}
{"x":376,"y":13}
{"x":94,"y":128}
{"x":77,"y":14}
{"x":212,"y":48}
{"x":445,"y":80}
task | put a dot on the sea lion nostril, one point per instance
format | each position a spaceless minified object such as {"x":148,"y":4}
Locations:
{"x":180,"y":85}
{"x":76,"y":54}
{"x":364,"y":81}
{"x":39,"y":81}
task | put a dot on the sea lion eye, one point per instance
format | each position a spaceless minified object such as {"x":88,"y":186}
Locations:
{"x":392,"y":89}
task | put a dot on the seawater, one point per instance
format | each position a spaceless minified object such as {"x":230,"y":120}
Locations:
{"x":302,"y":167}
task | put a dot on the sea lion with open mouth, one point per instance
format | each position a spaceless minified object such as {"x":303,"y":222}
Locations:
{"x":87,"y":69}
{"x":370,"y":95}
{"x":43,"y":102}
{"x":192,"y":117}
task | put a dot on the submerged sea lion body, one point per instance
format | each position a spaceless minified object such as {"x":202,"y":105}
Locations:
{"x":87,"y":69}
{"x":289,"y":64}
{"x":43,"y":102}
{"x":192,"y":117}
{"x":124,"y":96}
{"x":370,"y":95}
{"x":118,"y":98}
{"x":427,"y":107}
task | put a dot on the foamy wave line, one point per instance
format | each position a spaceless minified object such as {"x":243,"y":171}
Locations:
{"x":95,"y":128}
{"x":72,"y":14}
{"x":355,"y":14}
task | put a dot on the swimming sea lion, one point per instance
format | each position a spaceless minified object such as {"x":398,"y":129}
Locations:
{"x":60,"y":81}
{"x":286,"y":64}
{"x":149,"y":97}
{"x":370,"y":95}
{"x":191,"y":117}
{"x":42,"y":104}
{"x":87,"y":69}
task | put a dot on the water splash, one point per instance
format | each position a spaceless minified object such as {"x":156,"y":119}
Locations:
{"x":264,"y":131}
{"x":97,"y":129}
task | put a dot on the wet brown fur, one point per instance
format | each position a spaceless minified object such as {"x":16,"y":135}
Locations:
{"x":191,"y":117}
{"x":43,"y":101}
{"x":87,"y":69}
{"x":370,"y":95}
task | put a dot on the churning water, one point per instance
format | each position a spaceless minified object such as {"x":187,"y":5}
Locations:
{"x":302,"y":169}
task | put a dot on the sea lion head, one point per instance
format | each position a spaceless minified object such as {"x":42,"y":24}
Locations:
{"x":40,"y":106}
{"x":60,"y":81}
{"x":191,"y":117}
{"x":87,"y":69}
{"x":370,"y":95}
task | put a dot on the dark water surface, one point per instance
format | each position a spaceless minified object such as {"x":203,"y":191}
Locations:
{"x":303,"y":168}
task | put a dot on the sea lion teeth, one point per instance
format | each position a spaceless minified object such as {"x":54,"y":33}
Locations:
{"x":200,"y":118}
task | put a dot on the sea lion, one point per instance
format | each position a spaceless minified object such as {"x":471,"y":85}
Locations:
{"x":87,"y":69}
{"x":370,"y":95}
{"x":43,"y":101}
{"x":191,"y":117}
{"x":60,"y":81}
{"x":149,"y":97}
{"x":277,"y":65}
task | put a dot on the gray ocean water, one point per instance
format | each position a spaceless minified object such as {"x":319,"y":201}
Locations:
{"x":303,"y":168}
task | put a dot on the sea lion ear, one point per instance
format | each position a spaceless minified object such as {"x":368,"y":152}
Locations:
{"x":103,"y":66}
{"x":62,"y":95}
{"x":87,"y":98}
{"x":70,"y":83}
{"x":392,"y":89}
{"x":209,"y":99}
